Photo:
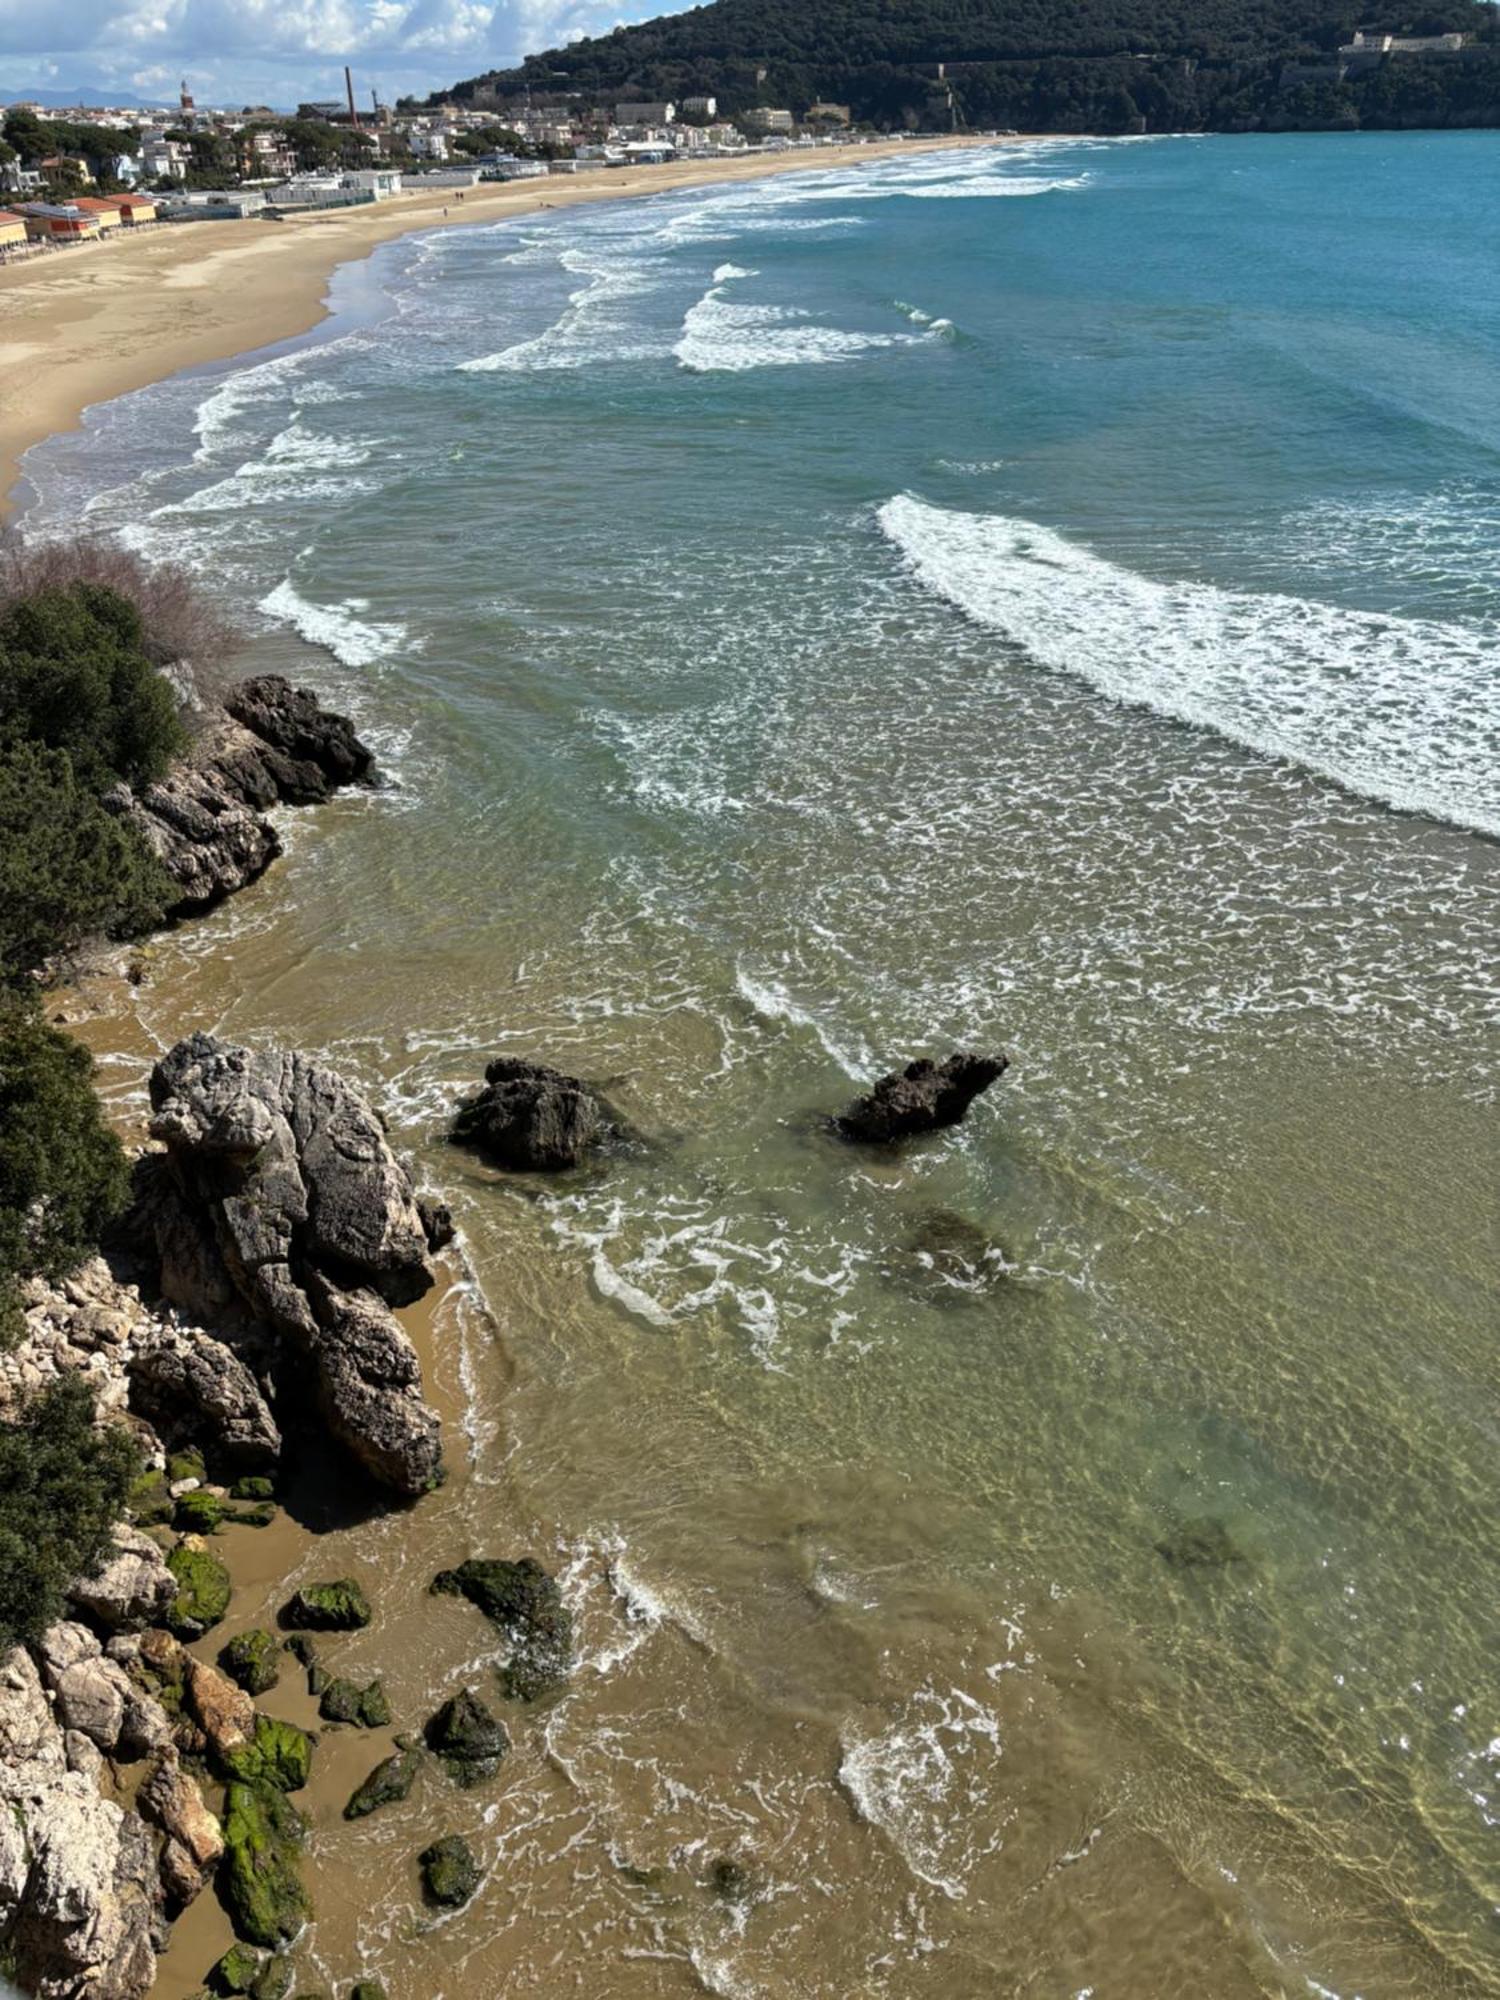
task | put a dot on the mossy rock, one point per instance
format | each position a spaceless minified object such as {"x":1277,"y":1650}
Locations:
{"x":200,"y":1512}
{"x":253,"y":1660}
{"x":346,"y":1701}
{"x":261,"y":1515}
{"x":259,"y":1881}
{"x":450,"y":1874}
{"x":387,"y":1784}
{"x":302,"y":1645}
{"x":338,"y":1606}
{"x":368,"y":1989}
{"x":149,"y":1502}
{"x":254,"y":1487}
{"x":274,"y":1982}
{"x":467,"y":1740}
{"x":186,"y":1465}
{"x":202,"y":1591}
{"x":279,"y":1754}
{"x":237,"y":1970}
{"x":527,"y":1605}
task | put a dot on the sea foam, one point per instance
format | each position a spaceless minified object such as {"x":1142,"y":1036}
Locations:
{"x":356,"y":641}
{"x":1402,"y":710}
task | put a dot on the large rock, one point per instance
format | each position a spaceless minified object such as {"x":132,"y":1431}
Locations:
{"x":279,"y":1205}
{"x":530,"y":1119}
{"x":131,"y":1589}
{"x":467,"y":1739}
{"x":205,"y":821}
{"x":225,"y":1712}
{"x":195,"y":1390}
{"x":527,"y":1605}
{"x":924,"y":1097}
{"x":171,"y":1800}
{"x":259,"y":1879}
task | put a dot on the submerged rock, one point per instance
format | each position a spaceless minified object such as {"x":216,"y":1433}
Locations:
{"x":530,"y":1119}
{"x":466,"y":1739}
{"x":258,"y":1878}
{"x":450,"y":1874}
{"x":389,"y":1783}
{"x":346,"y":1701}
{"x":924,"y":1097}
{"x":527,"y":1605}
{"x":948,"y":1260}
{"x":1201,"y":1544}
{"x":338,"y":1606}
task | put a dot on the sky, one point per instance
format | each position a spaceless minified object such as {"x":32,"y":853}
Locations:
{"x":280,"y":52}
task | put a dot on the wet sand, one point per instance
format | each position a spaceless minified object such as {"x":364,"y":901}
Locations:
{"x":85,"y":325}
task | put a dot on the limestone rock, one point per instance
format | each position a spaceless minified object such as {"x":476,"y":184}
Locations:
{"x":193,"y":1389}
{"x":225,"y":1712}
{"x":530,"y":1118}
{"x":924,"y":1097}
{"x":171,"y":1800}
{"x":369,"y":1389}
{"x":133,"y":1588}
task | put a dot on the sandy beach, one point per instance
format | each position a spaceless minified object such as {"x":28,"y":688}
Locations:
{"x":92,"y":323}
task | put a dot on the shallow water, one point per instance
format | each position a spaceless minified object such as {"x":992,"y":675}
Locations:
{"x":810,"y":624}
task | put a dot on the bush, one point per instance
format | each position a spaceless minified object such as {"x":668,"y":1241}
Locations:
{"x":62,"y":1486}
{"x":75,"y":676}
{"x":63,"y":1174}
{"x":68,"y":869}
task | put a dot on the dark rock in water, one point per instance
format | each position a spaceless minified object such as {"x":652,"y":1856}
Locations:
{"x":368,"y":1989}
{"x":274,"y":1981}
{"x":200,"y":1512}
{"x":279,"y":1754}
{"x":389,"y":1783}
{"x":252,"y":1661}
{"x":253,"y":1489}
{"x":924,"y":1097}
{"x":339,"y":1606}
{"x":346,"y":1701}
{"x":948,"y":1260}
{"x":450,"y":1874}
{"x":237,"y":1971}
{"x":280,"y":1205}
{"x":730,"y":1880}
{"x":258,"y":1877}
{"x":525,"y":1602}
{"x":437,"y":1221}
{"x":467,"y":1739}
{"x":1202,"y":1544}
{"x":205,"y":819}
{"x":530,"y":1119}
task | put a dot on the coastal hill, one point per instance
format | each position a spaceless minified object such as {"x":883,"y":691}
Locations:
{"x":1043,"y":65}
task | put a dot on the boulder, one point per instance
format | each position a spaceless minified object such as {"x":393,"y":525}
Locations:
{"x":346,"y":1701}
{"x":924,"y":1097}
{"x":237,"y":1971}
{"x":527,"y":1605}
{"x":389,"y":1783}
{"x":259,"y":1879}
{"x":437,"y":1221}
{"x":84,"y":1920}
{"x":467,"y":1740}
{"x":253,"y":1661}
{"x":530,"y":1119}
{"x":203,"y":1590}
{"x":89,"y":1696}
{"x":338,"y":1606}
{"x":279,"y":1754}
{"x":224,"y":1712}
{"x":189,"y":1387}
{"x":320,"y":749}
{"x":171,"y":1800}
{"x":450,"y":1874}
{"x":369,"y":1390}
{"x":133,"y":1587}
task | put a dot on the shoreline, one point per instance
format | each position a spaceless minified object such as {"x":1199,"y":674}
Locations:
{"x":103,"y":320}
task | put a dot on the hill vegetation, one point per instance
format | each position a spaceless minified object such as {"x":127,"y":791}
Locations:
{"x":1037,"y":65}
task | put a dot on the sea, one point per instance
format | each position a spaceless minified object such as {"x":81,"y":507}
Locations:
{"x":1040,"y":598}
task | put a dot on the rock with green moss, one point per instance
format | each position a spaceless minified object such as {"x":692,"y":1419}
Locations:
{"x":149,"y":1502}
{"x":368,"y":1989}
{"x":274,"y":1981}
{"x":200,"y":1512}
{"x":338,"y":1606}
{"x":279,"y":1754}
{"x":387,"y":1784}
{"x":259,"y":1880}
{"x":237,"y":1970}
{"x":527,"y":1605}
{"x":186,"y":1465}
{"x":253,"y":1660}
{"x":253,"y":1487}
{"x":467,"y":1740}
{"x":450,"y":1874}
{"x":202,"y":1591}
{"x":347,"y":1701}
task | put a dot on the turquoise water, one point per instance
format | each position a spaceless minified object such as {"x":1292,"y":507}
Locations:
{"x":1045,"y":598}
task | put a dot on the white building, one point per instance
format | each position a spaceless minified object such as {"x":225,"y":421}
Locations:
{"x":428,"y":145}
{"x":700,"y":107}
{"x":376,"y":182}
{"x":163,"y":158}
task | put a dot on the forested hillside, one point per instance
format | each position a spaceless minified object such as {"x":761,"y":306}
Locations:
{"x":1061,"y":65}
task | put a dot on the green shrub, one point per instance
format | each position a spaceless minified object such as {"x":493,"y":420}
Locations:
{"x":68,"y":869}
{"x":62,"y":1487}
{"x":75,"y":676}
{"x":62,"y":1172}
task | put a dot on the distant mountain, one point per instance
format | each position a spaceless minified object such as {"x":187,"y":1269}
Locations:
{"x":1040,"y":65}
{"x":95,"y":100}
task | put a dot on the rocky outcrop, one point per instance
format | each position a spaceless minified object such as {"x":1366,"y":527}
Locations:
{"x":531,"y":1119}
{"x":205,"y":821}
{"x":195,"y":1390}
{"x":193,"y":1839}
{"x":527,"y":1605}
{"x":924,"y":1097}
{"x":133,"y":1587}
{"x":279,"y":1205}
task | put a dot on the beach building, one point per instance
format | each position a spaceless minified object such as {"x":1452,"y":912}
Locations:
{"x":107,"y":212}
{"x":212,"y":204}
{"x":134,"y":208}
{"x":59,"y":222}
{"x":376,"y":183}
{"x":700,"y":107}
{"x":764,"y":119}
{"x":12,"y":229}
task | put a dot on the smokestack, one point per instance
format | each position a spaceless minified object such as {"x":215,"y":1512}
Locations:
{"x":349,"y":87}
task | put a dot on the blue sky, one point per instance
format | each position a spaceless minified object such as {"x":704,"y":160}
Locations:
{"x":279,"y":51}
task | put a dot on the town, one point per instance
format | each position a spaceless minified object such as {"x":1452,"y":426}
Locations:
{"x":78,"y":175}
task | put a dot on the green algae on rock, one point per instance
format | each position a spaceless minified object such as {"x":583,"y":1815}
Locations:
{"x":202,"y":1594}
{"x":527,"y":1605}
{"x":237,"y":1970}
{"x":337,"y":1606}
{"x":279,"y":1755}
{"x":259,"y":1882}
{"x":467,"y":1740}
{"x":389,"y":1783}
{"x":450,"y":1874}
{"x":346,"y":1701}
{"x":253,"y":1660}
